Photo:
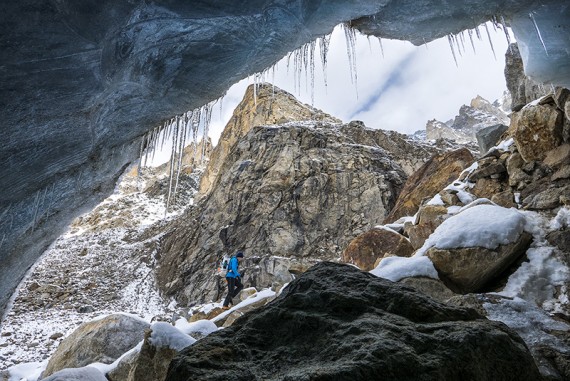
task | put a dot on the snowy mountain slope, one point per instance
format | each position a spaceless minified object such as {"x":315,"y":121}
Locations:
{"x":97,"y":267}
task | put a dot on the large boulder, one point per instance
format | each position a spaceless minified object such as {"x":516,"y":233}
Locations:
{"x":365,"y":250}
{"x":470,"y":269}
{"x":433,"y":176}
{"x":488,"y":137}
{"x":103,"y":340}
{"x":472,"y":248}
{"x":338,"y":323}
{"x":537,"y":130}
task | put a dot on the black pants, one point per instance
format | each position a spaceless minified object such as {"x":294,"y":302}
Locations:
{"x":234,"y":287}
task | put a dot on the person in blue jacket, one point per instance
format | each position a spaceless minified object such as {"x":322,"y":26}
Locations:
{"x":233,"y":278}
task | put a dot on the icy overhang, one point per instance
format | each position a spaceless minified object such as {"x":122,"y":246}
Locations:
{"x":82,"y":81}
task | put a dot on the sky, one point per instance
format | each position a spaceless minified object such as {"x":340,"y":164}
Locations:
{"x":399,"y":90}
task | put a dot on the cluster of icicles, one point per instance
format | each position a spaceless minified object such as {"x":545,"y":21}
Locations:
{"x":186,"y":128}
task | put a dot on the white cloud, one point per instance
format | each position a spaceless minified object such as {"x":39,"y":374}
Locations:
{"x":418,"y":83}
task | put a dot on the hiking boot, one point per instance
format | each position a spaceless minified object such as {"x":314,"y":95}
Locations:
{"x":225,"y":307}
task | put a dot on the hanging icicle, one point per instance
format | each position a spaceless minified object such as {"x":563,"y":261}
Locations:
{"x":470,"y":33}
{"x":490,"y":40}
{"x":350,"y":39}
{"x":381,"y":46}
{"x":450,"y":39}
{"x":531,"y":16}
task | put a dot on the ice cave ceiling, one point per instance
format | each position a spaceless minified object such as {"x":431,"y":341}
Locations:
{"x":83,"y":81}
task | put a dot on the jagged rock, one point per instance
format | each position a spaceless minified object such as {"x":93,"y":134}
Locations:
{"x":537,"y":130}
{"x":488,"y":137}
{"x":547,"y":199}
{"x":523,"y":89}
{"x":558,"y":156}
{"x":562,"y":173}
{"x":488,"y":171}
{"x":431,"y":287}
{"x":505,"y":199}
{"x":80,"y":374}
{"x":472,"y":268}
{"x":161,"y":343}
{"x":365,"y":250}
{"x":480,"y":114}
{"x":102,"y":340}
{"x":302,"y":191}
{"x":560,"y":239}
{"x":436,"y":174}
{"x":267,"y":105}
{"x":326,"y":324}
{"x":487,"y":187}
{"x":429,"y":218}
{"x":561,"y":96}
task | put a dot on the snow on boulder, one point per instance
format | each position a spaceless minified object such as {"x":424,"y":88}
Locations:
{"x":101,"y":340}
{"x":161,"y":343}
{"x":77,"y":374}
{"x":197,"y":329}
{"x":397,"y":268}
{"x":474,"y":247}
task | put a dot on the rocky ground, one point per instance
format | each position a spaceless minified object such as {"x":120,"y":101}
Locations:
{"x":103,"y":264}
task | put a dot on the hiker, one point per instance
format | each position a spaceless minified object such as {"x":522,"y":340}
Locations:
{"x":233,"y":278}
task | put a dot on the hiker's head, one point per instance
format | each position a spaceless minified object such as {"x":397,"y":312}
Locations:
{"x":239,"y":255}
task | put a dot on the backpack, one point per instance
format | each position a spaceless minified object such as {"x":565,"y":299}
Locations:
{"x":224,"y":263}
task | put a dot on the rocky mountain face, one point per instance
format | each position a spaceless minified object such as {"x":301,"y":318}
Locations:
{"x":289,"y":195}
{"x":479,"y":114}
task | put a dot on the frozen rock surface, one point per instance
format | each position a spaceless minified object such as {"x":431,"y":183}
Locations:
{"x":82,"y":82}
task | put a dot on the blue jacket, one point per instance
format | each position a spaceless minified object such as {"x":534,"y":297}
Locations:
{"x":233,"y":268}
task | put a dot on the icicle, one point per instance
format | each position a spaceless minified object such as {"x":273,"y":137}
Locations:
{"x":425,"y":44}
{"x":452,"y":49}
{"x":255,"y":89}
{"x":470,"y":33}
{"x":478,"y":33}
{"x":172,"y":162}
{"x":490,"y":41}
{"x":324,"y":44}
{"x":182,"y":141}
{"x":538,"y":32}
{"x":312,"y":47}
{"x":504,"y":26}
{"x":350,"y":38}
{"x":462,"y":39}
{"x":381,"y":46}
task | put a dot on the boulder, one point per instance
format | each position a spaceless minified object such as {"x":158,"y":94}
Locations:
{"x":338,"y":323}
{"x":562,"y":173}
{"x":429,"y":218}
{"x":431,"y":287}
{"x":103,"y":340}
{"x":558,"y":156}
{"x":161,"y":343}
{"x":547,"y":199}
{"x":537,"y":130}
{"x":433,"y":176}
{"x":366,"y":249}
{"x":489,"y":136}
{"x":470,"y":269}
{"x":487,"y":187}
{"x":506,"y":199}
{"x":560,"y":239}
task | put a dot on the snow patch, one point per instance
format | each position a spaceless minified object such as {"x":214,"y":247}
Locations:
{"x":397,"y":268}
{"x":165,"y":335}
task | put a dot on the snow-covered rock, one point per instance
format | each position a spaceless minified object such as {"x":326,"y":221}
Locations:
{"x":102,"y":340}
